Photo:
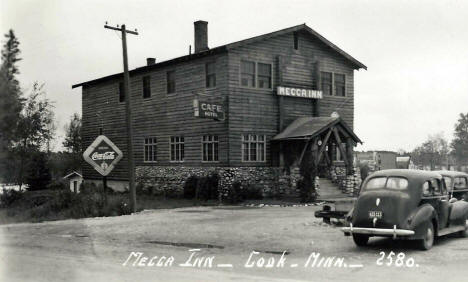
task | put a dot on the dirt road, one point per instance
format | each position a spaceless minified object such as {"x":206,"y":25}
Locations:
{"x":216,"y":244}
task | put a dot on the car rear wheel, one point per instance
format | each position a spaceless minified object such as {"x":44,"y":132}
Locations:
{"x":428,"y":239}
{"x":360,"y":239}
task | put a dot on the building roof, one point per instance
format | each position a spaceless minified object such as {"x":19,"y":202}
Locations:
{"x":309,"y":127}
{"x":73,"y":173}
{"x":224,"y":48}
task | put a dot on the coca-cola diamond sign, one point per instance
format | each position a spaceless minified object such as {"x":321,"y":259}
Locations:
{"x":103,"y":155}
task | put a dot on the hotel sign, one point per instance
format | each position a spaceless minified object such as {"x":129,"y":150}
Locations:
{"x":103,"y":155}
{"x":299,"y":92}
{"x":205,"y":109}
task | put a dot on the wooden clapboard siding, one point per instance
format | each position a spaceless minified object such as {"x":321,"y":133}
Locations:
{"x":256,"y":110}
{"x":162,"y":115}
{"x":249,"y":110}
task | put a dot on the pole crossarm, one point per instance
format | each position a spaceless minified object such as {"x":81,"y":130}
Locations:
{"x":120,"y":29}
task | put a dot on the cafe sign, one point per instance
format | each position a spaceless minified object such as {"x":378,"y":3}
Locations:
{"x":203,"y":109}
{"x":103,"y":155}
{"x":299,"y":92}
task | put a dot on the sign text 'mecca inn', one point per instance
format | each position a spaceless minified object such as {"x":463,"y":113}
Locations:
{"x":298,"y":92}
{"x":260,"y":86}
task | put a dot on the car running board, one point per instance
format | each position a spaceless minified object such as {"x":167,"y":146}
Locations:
{"x":449,"y":230}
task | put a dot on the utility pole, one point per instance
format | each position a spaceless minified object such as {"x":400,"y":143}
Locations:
{"x":128,"y":111}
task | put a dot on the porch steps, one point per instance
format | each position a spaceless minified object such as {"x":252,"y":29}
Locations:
{"x":329,"y":190}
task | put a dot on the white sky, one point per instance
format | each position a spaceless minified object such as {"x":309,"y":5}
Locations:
{"x":416,"y":51}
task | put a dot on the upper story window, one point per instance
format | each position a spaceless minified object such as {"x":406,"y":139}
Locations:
{"x":177,"y":149}
{"x":253,"y":148}
{"x":121,"y":92}
{"x":210,"y":75}
{"x":150,"y":147}
{"x":171,"y":83}
{"x":248,"y":73}
{"x":210,"y":145}
{"x":340,"y":84}
{"x":326,"y":83}
{"x":296,"y":40}
{"x":146,"y":87}
{"x":264,"y":75}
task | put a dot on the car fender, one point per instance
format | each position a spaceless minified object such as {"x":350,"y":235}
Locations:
{"x":459,"y":213}
{"x":418,"y":220}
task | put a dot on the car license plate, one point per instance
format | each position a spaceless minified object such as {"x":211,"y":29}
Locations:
{"x":375,"y":214}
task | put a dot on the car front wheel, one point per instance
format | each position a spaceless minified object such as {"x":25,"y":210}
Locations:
{"x":428,"y":239}
{"x":360,"y":239}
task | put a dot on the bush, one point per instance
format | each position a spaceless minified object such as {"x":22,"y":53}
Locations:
{"x":190,"y":187}
{"x":8,"y":197}
{"x":37,"y":174}
{"x":57,"y":185}
{"x":251,"y":192}
{"x":207,"y":187}
{"x":234,"y":194}
{"x":307,"y":191}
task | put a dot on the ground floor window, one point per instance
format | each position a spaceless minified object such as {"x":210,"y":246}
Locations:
{"x":177,"y":148}
{"x":253,"y":148}
{"x":150,"y":147}
{"x":210,"y":148}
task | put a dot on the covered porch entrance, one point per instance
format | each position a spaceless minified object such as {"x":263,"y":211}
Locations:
{"x":323,"y":147}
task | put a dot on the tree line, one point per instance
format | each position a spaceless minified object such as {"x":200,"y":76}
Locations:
{"x":28,"y":127}
{"x":436,"y":151}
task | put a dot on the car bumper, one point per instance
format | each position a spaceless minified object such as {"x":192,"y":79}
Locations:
{"x":378,"y":231}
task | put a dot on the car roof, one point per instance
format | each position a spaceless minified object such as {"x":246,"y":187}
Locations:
{"x":451,"y":173}
{"x":407,"y":173}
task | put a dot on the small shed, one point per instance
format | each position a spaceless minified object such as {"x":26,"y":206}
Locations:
{"x":75,"y":179}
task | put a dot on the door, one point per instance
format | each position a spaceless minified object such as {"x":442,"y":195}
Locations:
{"x":75,"y":186}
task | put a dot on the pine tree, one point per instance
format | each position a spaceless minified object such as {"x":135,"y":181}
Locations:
{"x":460,"y":141}
{"x":10,"y":92}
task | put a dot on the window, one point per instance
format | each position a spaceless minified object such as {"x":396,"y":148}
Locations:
{"x":150,"y":149}
{"x":253,"y":148}
{"x":436,"y":187}
{"x":395,"y":183}
{"x":326,"y":83}
{"x":248,"y":73}
{"x":296,"y":40}
{"x":432,"y":188}
{"x":121,"y":92}
{"x":177,"y":148}
{"x":146,"y":87}
{"x":264,"y":75}
{"x":376,"y":183}
{"x":210,"y":148}
{"x":210,"y":75}
{"x":460,"y":183}
{"x":340,"y":85}
{"x":171,"y":84}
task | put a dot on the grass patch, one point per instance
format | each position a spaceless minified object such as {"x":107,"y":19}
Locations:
{"x":46,"y":205}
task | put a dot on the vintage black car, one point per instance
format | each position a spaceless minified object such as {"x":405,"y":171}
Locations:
{"x":405,"y":204}
{"x":457,"y":183}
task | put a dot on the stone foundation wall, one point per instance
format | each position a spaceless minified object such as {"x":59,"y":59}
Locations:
{"x":169,"y":180}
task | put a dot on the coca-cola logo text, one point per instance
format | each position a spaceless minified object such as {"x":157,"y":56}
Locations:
{"x":103,"y":156}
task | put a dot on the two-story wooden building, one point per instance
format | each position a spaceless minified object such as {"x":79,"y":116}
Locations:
{"x":254,"y":105}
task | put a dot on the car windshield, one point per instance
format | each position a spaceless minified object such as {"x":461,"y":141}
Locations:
{"x":395,"y":183}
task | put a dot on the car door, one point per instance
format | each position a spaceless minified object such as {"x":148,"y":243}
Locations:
{"x":441,"y":201}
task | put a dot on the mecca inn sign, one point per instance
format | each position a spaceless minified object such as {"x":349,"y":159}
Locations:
{"x":103,"y":155}
{"x":299,"y":92}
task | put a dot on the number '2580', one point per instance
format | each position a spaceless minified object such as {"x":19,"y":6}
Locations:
{"x":398,"y":260}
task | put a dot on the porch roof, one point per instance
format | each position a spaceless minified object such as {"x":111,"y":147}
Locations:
{"x":310,"y":127}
